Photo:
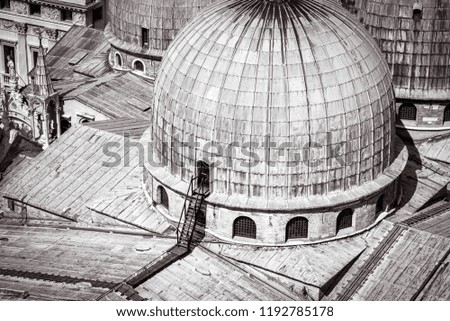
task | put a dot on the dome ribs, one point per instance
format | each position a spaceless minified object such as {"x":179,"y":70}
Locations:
{"x":374,"y":50}
{"x":294,"y":21}
{"x":246,"y":29}
{"x":293,"y":71}
{"x":191,"y":162}
{"x":297,"y":8}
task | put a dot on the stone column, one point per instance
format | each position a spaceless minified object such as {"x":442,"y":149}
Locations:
{"x":45,"y":128}
{"x":22,"y":54}
{"x":36,"y":130}
{"x":32,"y":122}
{"x":58,"y":119}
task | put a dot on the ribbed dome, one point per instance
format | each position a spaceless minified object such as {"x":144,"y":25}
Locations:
{"x":163,"y":18}
{"x":298,"y":72}
{"x":416,"y":49}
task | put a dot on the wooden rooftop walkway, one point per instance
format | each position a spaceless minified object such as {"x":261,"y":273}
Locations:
{"x":157,"y":265}
{"x":427,"y":214}
{"x":409,"y":251}
{"x":358,"y":280}
{"x":127,"y":287}
{"x":55,"y":278}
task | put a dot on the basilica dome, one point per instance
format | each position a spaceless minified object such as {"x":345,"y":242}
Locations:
{"x":287,"y":108}
{"x":298,"y":73}
{"x":414,"y":36}
{"x":415,"y":39}
{"x":141,"y":30}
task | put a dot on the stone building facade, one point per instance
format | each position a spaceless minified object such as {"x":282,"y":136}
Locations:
{"x":21,"y":22}
{"x":38,"y":115}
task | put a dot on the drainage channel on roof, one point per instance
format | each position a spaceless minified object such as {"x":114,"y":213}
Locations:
{"x":55,"y":278}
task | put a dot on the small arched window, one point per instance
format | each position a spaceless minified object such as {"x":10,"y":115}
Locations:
{"x":163,"y":198}
{"x":407,"y":112}
{"x":203,"y":175}
{"x":380,"y":204}
{"x":447,"y":113}
{"x":244,"y":227}
{"x":138,"y":65}
{"x":118,"y":60}
{"x":344,"y":220}
{"x":417,"y":12}
{"x":297,"y":228}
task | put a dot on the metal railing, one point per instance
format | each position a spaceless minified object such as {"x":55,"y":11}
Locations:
{"x":197,"y":206}
{"x":184,"y":210}
{"x":198,"y":199}
{"x":6,"y":80}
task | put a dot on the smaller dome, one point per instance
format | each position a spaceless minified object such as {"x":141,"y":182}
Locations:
{"x":414,"y":36}
{"x":162,"y":18}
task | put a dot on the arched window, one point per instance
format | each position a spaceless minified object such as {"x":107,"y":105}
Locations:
{"x":163,"y":198}
{"x":447,"y":113}
{"x":407,"y":112}
{"x":297,"y":228}
{"x":380,"y":204}
{"x":417,"y":12}
{"x":344,"y":220}
{"x":118,"y":60}
{"x":203,"y":175}
{"x":138,"y":65}
{"x":244,"y":227}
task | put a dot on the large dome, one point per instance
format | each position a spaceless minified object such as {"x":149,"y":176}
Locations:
{"x":300,"y":74}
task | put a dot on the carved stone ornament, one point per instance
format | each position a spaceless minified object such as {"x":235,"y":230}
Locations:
{"x":79,"y":18}
{"x":50,"y":13}
{"x":19,"y":7}
{"x":52,"y":34}
{"x":7,"y":25}
{"x":35,"y":31}
{"x":21,"y":28}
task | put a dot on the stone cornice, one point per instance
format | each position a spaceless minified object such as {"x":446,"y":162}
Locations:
{"x":34,"y":21}
{"x":66,"y":5}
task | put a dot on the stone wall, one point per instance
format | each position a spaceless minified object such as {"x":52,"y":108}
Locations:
{"x":151,"y":67}
{"x":429,"y":114}
{"x":271,"y":227}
